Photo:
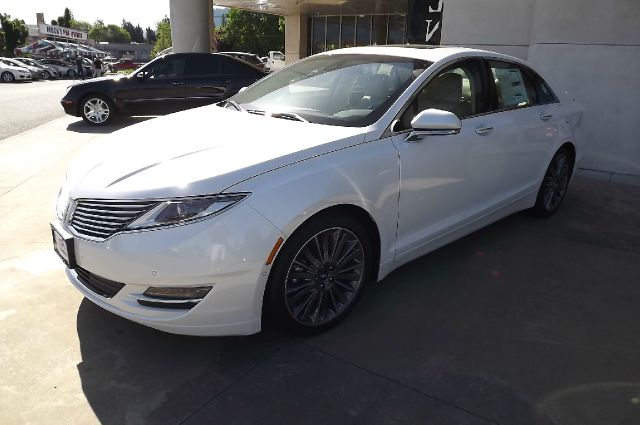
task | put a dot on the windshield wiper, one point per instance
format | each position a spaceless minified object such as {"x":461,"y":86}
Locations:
{"x":232,"y":103}
{"x":291,"y":116}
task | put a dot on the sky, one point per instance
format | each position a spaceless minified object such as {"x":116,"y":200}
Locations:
{"x":144,"y":12}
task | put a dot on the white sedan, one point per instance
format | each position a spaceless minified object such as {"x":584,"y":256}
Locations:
{"x":194,"y":223}
{"x":10,"y":72}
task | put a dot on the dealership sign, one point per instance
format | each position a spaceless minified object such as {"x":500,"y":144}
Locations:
{"x":424,"y":21}
{"x":63,"y":32}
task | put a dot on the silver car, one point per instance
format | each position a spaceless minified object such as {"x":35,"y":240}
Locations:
{"x":47,"y":71}
{"x":36,"y":73}
{"x":64,"y":68}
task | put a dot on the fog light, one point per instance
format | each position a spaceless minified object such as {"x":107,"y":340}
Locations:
{"x":196,"y":293}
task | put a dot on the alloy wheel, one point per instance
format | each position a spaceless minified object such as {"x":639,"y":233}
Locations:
{"x":7,"y":77}
{"x":555,"y":182}
{"x":96,"y":110}
{"x":324,"y":276}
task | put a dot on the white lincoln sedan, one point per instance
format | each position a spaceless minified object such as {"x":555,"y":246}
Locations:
{"x":288,"y":198}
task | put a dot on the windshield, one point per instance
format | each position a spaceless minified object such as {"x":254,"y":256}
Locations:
{"x":341,"y":89}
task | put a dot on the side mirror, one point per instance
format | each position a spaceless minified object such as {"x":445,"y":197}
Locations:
{"x":433,"y":122}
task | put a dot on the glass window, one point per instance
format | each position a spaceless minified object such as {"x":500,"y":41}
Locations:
{"x":513,"y":88}
{"x":165,"y":67}
{"x":396,"y":29}
{"x":379,"y":30}
{"x":235,"y":68}
{"x":341,"y":89}
{"x":319,"y":27}
{"x":348,"y":33}
{"x":457,"y":89}
{"x":333,"y":32}
{"x":204,"y":65}
{"x":363,"y":30}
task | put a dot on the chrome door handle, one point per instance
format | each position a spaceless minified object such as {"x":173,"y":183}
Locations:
{"x":484,"y":130}
{"x":545,"y":117}
{"x":177,"y":83}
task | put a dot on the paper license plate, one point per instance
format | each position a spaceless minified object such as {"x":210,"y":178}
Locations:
{"x":64,"y":247}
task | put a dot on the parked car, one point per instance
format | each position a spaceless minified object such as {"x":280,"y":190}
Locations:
{"x":10,"y":73}
{"x":169,"y":83}
{"x":123,"y":64}
{"x":107,"y":64}
{"x":374,"y":156}
{"x":251,"y":58}
{"x":47,"y":71}
{"x":275,"y":61}
{"x":36,"y":73}
{"x":63,"y":67}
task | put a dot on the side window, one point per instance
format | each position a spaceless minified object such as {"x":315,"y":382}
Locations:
{"x":458,"y":89}
{"x":545,"y":95}
{"x":204,"y":65}
{"x":166,"y":68}
{"x":235,"y":68}
{"x":514,"y":87}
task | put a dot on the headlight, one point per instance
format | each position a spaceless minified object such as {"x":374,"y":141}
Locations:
{"x":179,"y":211}
{"x":62,"y":202}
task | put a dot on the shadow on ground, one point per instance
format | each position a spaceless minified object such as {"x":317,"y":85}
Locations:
{"x":525,"y":322}
{"x":118,"y":123}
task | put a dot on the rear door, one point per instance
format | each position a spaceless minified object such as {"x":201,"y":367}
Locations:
{"x":157,"y":88}
{"x":527,"y":120}
{"x":205,"y":84}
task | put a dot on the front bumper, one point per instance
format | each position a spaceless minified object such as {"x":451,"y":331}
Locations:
{"x":70,"y":107}
{"x":227,"y":252}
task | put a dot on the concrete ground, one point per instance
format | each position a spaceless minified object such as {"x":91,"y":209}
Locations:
{"x":525,"y":322}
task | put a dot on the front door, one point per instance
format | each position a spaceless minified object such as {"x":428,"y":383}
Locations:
{"x":155,"y":89}
{"x":445,"y":180}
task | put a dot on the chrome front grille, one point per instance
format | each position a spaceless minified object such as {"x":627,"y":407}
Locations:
{"x":101,"y":218}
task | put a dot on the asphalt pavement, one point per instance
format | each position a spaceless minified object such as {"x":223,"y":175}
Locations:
{"x":26,"y":105}
{"x":526,"y":322}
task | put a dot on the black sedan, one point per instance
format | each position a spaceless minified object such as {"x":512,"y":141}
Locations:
{"x":167,"y":84}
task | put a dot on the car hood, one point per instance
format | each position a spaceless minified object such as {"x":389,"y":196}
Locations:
{"x":197,"y":152}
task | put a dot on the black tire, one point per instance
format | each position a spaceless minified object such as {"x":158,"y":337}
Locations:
{"x":7,"y":77}
{"x":554,"y":185}
{"x":310,"y":297}
{"x":71,"y":73}
{"x":97,"y":110}
{"x":46,"y":75}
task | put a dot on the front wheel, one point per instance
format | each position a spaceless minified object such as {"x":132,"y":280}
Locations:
{"x":97,"y":110}
{"x":46,"y":75}
{"x":554,"y":185}
{"x":320,"y":273}
{"x":8,"y":77}
{"x":71,"y":73}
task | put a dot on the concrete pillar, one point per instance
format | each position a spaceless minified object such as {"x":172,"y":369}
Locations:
{"x":295,"y":37}
{"x":190,"y":25}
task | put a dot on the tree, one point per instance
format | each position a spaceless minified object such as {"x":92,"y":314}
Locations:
{"x":66,"y":19}
{"x":98,"y":31}
{"x":14,"y":33}
{"x":252,"y":32}
{"x":163,"y":36}
{"x":116,"y":34}
{"x":151,"y":36}
{"x":136,"y":33}
{"x":80,"y":25}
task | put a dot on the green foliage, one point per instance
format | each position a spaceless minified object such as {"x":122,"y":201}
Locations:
{"x":136,"y":33}
{"x":163,"y":37}
{"x":66,"y":19}
{"x":251,"y":32}
{"x":14,"y":33}
{"x":80,"y":25}
{"x":110,"y":33}
{"x":151,"y":36}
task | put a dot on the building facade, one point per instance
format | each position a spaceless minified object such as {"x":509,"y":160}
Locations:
{"x":589,"y":48}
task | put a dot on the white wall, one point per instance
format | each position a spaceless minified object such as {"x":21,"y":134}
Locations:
{"x":590,"y":48}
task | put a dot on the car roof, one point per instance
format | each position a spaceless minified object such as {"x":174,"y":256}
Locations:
{"x":425,"y":52}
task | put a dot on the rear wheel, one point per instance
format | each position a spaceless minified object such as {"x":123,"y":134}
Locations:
{"x":554,"y":185}
{"x":46,"y":75}
{"x":97,"y":110}
{"x":8,"y":77}
{"x":320,"y":273}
